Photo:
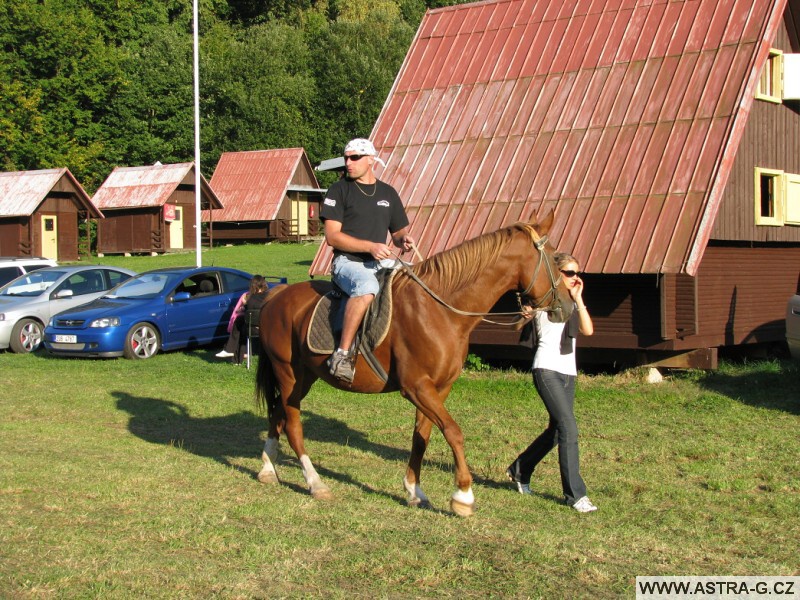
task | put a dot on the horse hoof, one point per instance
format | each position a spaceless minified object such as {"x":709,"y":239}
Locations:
{"x":417,"y":503}
{"x":268,"y":477}
{"x":322,"y":494}
{"x":461,"y":509}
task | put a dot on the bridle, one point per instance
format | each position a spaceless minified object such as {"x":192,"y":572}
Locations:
{"x":539,"y":243}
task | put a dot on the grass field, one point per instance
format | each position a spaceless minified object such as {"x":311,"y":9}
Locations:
{"x":136,"y":479}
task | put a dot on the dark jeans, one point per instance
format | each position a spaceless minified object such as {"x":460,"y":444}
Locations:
{"x":558,"y":393}
{"x":237,"y":340}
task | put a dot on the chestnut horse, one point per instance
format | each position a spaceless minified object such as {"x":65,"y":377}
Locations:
{"x":422,"y":353}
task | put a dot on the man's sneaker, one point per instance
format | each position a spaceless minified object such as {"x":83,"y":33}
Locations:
{"x":584,"y":505}
{"x":224,"y":354}
{"x":522,"y":488}
{"x":341,"y":366}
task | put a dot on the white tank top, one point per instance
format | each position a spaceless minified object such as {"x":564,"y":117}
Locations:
{"x":548,"y":349}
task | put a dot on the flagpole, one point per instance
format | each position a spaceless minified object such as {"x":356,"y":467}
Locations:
{"x":197,"y":190}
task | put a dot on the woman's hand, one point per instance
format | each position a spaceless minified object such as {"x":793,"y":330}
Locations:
{"x":576,"y":291}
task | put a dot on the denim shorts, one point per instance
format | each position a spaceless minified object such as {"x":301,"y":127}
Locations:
{"x":358,"y":278}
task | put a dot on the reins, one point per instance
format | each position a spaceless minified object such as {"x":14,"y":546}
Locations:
{"x":538,"y":242}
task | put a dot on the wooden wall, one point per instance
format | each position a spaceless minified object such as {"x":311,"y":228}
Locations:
{"x":771,"y":140}
{"x":131,"y":230}
{"x":14,"y":236}
{"x":22,"y":236}
{"x":738,"y":297}
{"x":65,"y":208}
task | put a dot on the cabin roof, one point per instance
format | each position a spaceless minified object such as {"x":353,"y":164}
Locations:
{"x":623,"y":116}
{"x":21,"y":192}
{"x":253,"y":184}
{"x":148,"y":186}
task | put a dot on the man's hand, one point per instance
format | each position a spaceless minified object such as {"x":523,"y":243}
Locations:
{"x":380,"y":251}
{"x":403,"y":240}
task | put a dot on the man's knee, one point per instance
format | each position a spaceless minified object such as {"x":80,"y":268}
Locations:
{"x":359,"y":304}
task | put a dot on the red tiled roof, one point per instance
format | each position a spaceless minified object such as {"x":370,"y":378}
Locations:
{"x":252,"y":185}
{"x":622,"y":115}
{"x":147,"y":186}
{"x":21,"y":192}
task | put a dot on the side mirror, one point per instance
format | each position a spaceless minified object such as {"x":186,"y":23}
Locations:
{"x":181,"y":297}
{"x":64,"y":294}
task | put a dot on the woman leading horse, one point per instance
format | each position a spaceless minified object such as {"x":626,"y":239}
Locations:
{"x":434,"y":310}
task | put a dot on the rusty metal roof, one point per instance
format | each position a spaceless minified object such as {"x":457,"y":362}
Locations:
{"x":622,"y":115}
{"x":148,"y":186}
{"x":253,"y":184}
{"x":21,"y":192}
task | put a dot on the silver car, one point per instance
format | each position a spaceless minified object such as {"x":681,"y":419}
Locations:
{"x":28,"y":302}
{"x":793,"y":326}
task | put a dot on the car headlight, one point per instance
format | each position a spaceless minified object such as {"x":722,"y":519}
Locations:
{"x":105,"y":322}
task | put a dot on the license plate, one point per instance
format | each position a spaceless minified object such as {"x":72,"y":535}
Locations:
{"x":66,"y":339}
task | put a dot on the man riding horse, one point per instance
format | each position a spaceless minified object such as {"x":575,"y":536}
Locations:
{"x":358,"y":211}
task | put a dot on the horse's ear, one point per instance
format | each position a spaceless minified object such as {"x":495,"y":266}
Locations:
{"x":545,"y":224}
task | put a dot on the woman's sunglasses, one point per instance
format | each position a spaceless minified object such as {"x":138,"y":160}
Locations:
{"x":570,"y":273}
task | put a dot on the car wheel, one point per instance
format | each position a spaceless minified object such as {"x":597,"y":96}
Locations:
{"x":142,"y":341}
{"x":26,"y":336}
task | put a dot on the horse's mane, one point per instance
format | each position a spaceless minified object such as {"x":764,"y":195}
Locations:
{"x":460,"y":265}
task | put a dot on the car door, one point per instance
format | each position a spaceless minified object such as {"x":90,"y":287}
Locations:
{"x":202,"y":317}
{"x":84,"y":287}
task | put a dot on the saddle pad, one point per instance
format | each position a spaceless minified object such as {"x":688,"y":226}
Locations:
{"x":327,"y":318}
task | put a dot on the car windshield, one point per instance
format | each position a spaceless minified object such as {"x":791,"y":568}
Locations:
{"x":146,"y":285}
{"x":32,"y":284}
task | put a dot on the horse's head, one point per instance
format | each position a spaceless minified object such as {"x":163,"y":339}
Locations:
{"x":541,"y":281}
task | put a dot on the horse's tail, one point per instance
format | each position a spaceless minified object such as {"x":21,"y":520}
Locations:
{"x":267,"y":393}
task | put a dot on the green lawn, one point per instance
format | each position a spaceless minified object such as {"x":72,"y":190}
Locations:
{"x":137,"y":479}
{"x":132,"y":479}
{"x":276,"y":259}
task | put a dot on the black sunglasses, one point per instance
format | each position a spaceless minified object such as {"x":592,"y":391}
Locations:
{"x":354,"y":157}
{"x":570,"y":273}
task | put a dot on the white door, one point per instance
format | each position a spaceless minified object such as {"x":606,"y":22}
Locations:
{"x":300,"y":214}
{"x":50,"y":236}
{"x":176,"y":229}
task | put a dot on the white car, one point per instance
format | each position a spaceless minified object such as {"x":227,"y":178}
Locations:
{"x":12,"y":267}
{"x":28,"y":302}
{"x":793,"y":326}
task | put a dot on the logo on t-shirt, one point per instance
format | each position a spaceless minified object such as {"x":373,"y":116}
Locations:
{"x":330,"y":202}
{"x":383,"y":203}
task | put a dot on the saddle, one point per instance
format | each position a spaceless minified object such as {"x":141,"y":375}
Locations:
{"x":328,"y":316}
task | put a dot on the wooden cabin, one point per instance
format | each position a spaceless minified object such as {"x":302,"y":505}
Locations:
{"x":664,"y":135}
{"x":150,"y":209}
{"x":41,"y":213}
{"x":268,"y":195}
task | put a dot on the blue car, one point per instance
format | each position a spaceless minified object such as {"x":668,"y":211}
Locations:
{"x":163,"y":309}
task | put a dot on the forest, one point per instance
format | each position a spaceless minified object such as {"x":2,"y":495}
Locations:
{"x":95,"y":84}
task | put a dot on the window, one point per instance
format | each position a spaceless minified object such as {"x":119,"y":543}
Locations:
{"x":769,"y":84}
{"x":769,"y":195}
{"x":792,"y":209}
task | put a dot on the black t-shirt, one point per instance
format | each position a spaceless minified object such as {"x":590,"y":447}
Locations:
{"x":366,"y":212}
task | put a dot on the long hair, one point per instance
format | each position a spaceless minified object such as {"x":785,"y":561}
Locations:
{"x":258,"y":284}
{"x":562,"y":259}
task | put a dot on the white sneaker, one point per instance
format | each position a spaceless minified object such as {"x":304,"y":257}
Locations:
{"x":524,"y":488}
{"x":341,"y":366}
{"x":584,"y":505}
{"x":224,"y":354}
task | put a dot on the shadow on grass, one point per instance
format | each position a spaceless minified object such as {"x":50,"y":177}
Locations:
{"x":227,"y":438}
{"x":773,"y":386}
